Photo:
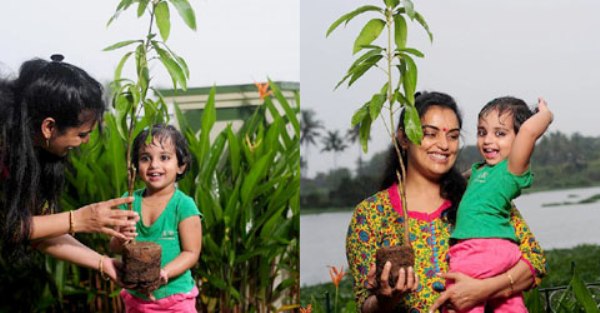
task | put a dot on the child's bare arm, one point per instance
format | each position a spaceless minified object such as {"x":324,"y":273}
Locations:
{"x":532,"y":129}
{"x":190,"y":236}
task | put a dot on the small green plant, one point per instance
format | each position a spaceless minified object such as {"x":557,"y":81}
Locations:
{"x":396,"y":60}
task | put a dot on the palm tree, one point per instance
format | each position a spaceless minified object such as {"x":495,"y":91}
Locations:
{"x":309,"y":131}
{"x":353,"y":136}
{"x":334,"y":142}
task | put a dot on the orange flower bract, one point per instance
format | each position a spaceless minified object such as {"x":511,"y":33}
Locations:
{"x":336,"y":275}
{"x":263,"y":90}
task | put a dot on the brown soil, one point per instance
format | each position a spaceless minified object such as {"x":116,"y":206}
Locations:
{"x":141,"y":265}
{"x":399,"y":256}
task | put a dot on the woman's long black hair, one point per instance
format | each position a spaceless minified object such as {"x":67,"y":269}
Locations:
{"x":32,"y":178}
{"x":452,"y":184}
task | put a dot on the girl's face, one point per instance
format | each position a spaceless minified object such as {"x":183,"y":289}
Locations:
{"x":495,"y":135}
{"x":158,"y":166}
{"x":72,"y":137}
{"x":438,"y":150}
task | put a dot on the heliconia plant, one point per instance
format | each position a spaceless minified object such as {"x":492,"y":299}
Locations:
{"x":396,"y":59}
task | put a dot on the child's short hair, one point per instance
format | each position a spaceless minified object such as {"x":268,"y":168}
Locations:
{"x":162,"y":132}
{"x":515,"y":106}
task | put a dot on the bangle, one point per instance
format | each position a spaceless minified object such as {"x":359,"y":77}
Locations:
{"x":71,"y":223}
{"x":101,"y":268}
{"x":512,"y":285}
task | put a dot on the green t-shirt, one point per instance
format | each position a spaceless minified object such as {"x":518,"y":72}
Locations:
{"x":484,"y":211}
{"x":164,"y":231}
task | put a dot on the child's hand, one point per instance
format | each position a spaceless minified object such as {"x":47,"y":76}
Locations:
{"x":543,"y":109}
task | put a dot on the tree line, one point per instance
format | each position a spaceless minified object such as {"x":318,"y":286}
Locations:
{"x":559,"y":161}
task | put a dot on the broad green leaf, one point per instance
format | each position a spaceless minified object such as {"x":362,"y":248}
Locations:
{"x":163,"y":19}
{"x":365,"y":132}
{"x":143,"y":4}
{"x":583,"y":295}
{"x":370,"y":32}
{"x":359,"y":61}
{"x":400,"y":31}
{"x":349,"y":16}
{"x":412,"y":124}
{"x":258,"y":171}
{"x":186,"y":12}
{"x":421,"y":20}
{"x":142,"y":66}
{"x":409,"y":78}
{"x":375,"y":105}
{"x":175,"y":71}
{"x":234,"y":151}
{"x":360,"y":114}
{"x":209,"y":116}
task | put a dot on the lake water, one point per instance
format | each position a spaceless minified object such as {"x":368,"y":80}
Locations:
{"x":322,"y":236}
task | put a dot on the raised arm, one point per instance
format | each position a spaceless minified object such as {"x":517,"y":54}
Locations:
{"x":532,"y":129}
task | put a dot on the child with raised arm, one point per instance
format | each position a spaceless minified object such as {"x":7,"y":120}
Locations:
{"x":168,"y":217}
{"x":486,"y":245}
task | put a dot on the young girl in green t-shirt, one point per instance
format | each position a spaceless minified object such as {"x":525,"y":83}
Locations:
{"x":486,"y":244}
{"x":168,"y":217}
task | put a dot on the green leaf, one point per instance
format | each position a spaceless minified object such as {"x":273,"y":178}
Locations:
{"x":410,"y":8}
{"x":400,"y":31}
{"x":360,"y":114}
{"x":257,"y":172}
{"x":363,"y":68}
{"x":365,"y":132}
{"x":391,"y":3}
{"x":412,"y":124}
{"x":163,"y":19}
{"x":360,"y":61}
{"x":209,"y":116}
{"x":175,"y":71}
{"x":409,"y":78}
{"x":142,"y":66}
{"x":122,"y":62}
{"x":370,"y":32}
{"x":121,"y":44}
{"x":143,"y":4}
{"x":421,"y":20}
{"x":583,"y":295}
{"x":186,"y":12}
{"x":349,"y":16}
{"x":412,"y":51}
{"x":375,"y":105}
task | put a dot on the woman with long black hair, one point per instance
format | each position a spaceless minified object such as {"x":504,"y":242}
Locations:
{"x":49,"y":109}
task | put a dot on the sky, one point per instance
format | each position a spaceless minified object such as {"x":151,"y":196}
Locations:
{"x":481,"y":50}
{"x":236,"y":42}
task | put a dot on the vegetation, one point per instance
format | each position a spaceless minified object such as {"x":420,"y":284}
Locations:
{"x":560,"y":274}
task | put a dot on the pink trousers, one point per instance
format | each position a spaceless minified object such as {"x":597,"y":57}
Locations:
{"x":181,"y":302}
{"x":483,"y":258}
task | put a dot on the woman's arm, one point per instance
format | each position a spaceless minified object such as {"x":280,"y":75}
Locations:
{"x":68,"y":249}
{"x":190,"y":235}
{"x":361,"y":246}
{"x":94,"y":218}
{"x":526,"y":274}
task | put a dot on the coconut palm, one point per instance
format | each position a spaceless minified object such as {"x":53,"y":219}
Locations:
{"x":334,"y":142}
{"x":353,"y":136}
{"x":309,"y":131}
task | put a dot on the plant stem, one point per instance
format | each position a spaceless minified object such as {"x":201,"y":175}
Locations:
{"x":393,"y":131}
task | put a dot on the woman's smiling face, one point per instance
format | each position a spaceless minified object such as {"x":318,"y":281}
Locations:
{"x":439,"y":147}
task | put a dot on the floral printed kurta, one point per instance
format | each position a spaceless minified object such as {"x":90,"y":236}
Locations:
{"x":378,"y":222}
